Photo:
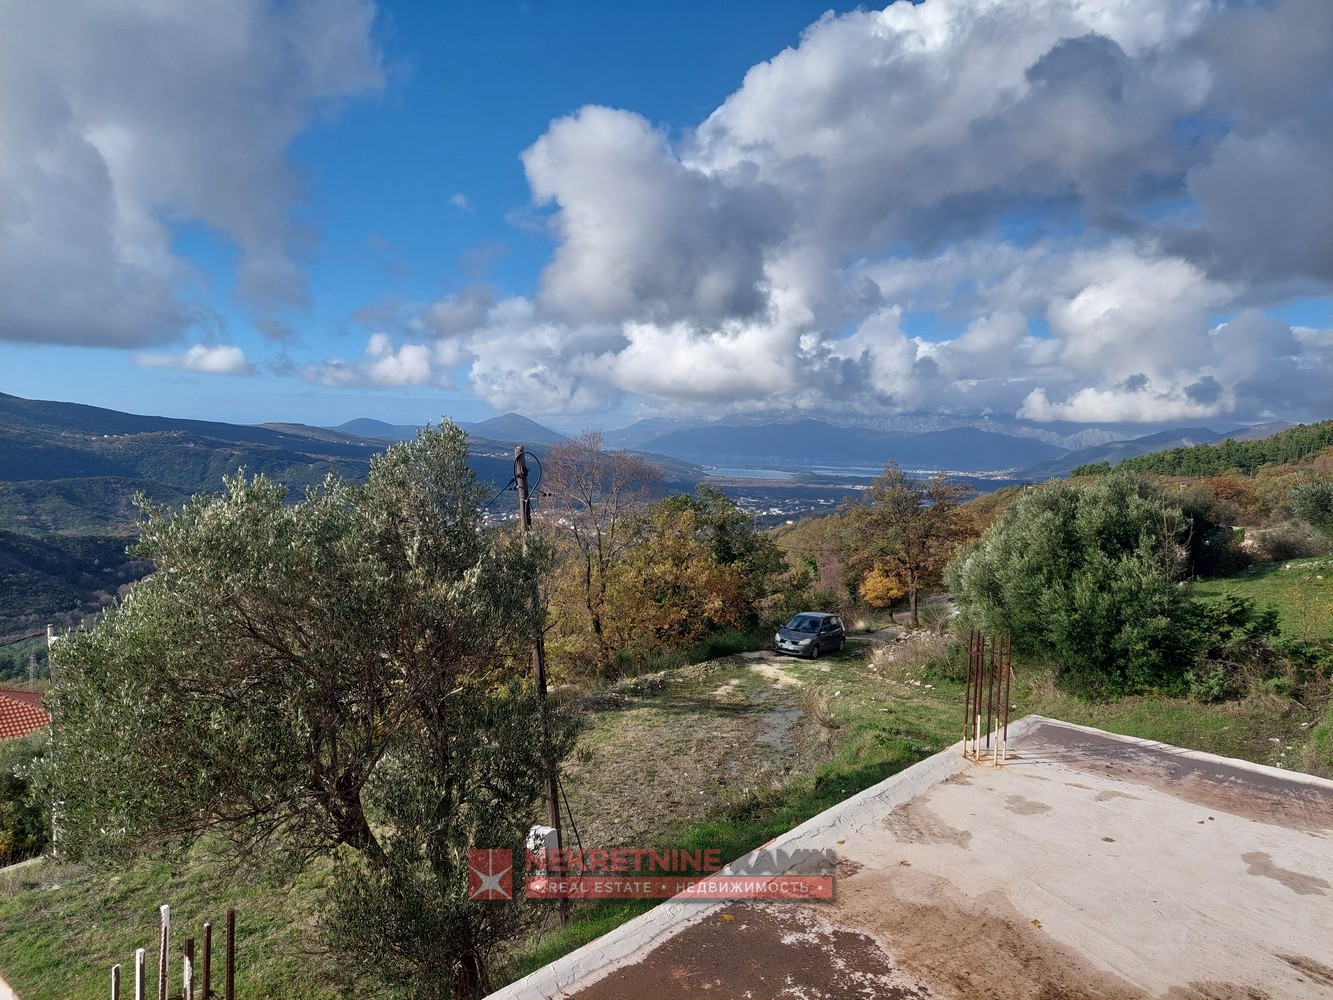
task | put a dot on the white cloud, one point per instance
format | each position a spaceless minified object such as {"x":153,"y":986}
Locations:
{"x":1063,"y":195}
{"x":644,"y":236}
{"x":386,"y":364}
{"x":1128,"y":405}
{"x":119,"y":121}
{"x":1132,"y":311}
{"x":223,"y":359}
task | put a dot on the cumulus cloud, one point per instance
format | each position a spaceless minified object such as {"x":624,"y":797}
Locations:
{"x":387,"y":364}
{"x":120,"y":122}
{"x":1049,"y":208}
{"x":224,"y":359}
{"x":643,"y":235}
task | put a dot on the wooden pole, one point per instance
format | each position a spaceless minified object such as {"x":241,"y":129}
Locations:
{"x":164,"y":938}
{"x":140,"y":958}
{"x":115,"y":982}
{"x":1008,"y":678}
{"x":990,"y":690}
{"x":229,"y":971}
{"x":539,"y":664}
{"x":187,"y":971}
{"x":967,"y":691}
{"x":207,"y":985}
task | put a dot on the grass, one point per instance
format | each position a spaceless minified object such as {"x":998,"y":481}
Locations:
{"x":1300,"y":589}
{"x":63,"y":927}
{"x":724,"y":754}
{"x":872,"y":742}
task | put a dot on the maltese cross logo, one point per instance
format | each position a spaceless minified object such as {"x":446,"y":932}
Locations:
{"x":490,"y":874}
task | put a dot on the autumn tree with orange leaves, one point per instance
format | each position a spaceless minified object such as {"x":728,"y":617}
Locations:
{"x":902,"y":534}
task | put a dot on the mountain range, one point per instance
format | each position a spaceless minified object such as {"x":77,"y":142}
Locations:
{"x":69,"y":473}
{"x":918,"y":442}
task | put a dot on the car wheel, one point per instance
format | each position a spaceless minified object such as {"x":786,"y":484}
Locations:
{"x":814,"y":651}
{"x":842,"y":642}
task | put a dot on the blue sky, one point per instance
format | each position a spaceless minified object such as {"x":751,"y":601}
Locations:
{"x":1047,"y":210}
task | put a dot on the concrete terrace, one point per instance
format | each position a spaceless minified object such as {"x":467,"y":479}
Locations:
{"x":1090,"y":866}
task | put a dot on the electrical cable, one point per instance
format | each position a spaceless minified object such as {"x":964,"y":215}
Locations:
{"x":513,"y":482}
{"x":23,"y":638}
{"x":572,"y":825}
{"x":570,"y":813}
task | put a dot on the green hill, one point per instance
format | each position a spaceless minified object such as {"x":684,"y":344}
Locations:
{"x":1288,"y":447}
{"x":69,"y":474}
{"x":68,"y":477}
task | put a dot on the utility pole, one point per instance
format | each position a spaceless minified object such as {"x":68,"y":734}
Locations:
{"x":539,"y":663}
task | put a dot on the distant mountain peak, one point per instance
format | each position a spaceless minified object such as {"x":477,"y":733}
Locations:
{"x":514,"y":428}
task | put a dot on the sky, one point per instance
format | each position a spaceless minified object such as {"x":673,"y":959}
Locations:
{"x":1054,"y":211}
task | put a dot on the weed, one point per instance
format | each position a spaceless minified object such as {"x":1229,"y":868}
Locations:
{"x":815,"y":707}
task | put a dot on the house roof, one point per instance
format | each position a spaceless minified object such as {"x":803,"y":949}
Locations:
{"x":29,"y":697}
{"x":1090,"y":865}
{"x":18,"y":717}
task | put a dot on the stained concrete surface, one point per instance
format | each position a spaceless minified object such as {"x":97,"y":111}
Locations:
{"x":1089,"y":866}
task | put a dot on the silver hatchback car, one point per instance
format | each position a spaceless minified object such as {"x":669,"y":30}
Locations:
{"x":811,"y":633}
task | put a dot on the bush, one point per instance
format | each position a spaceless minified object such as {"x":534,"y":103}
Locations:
{"x":1312,"y":502}
{"x":1241,"y":652}
{"x":25,"y":819}
{"x":1291,"y":540}
{"x":1084,"y":576}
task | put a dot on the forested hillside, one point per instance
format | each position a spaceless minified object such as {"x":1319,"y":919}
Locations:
{"x":1288,"y":447}
{"x":56,"y":579}
{"x":66,"y":467}
{"x":69,"y":475}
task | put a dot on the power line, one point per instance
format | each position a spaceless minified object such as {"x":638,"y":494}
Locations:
{"x":22,"y":638}
{"x":513,"y":482}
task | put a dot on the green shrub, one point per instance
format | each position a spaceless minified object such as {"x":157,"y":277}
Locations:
{"x":25,"y":819}
{"x":1312,"y":502}
{"x":1287,"y":541}
{"x":1240,"y":651}
{"x":1084,"y":577}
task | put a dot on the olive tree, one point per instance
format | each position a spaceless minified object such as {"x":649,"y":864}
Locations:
{"x":25,"y":818}
{"x":1085,"y":576}
{"x":342,"y":676}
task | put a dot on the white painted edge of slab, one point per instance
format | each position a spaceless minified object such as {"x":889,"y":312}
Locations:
{"x":629,"y":942}
{"x":1299,"y":777}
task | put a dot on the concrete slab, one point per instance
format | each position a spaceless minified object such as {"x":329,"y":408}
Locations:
{"x":1091,"y":865}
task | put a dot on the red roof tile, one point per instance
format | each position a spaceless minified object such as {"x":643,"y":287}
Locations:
{"x":31,"y":697}
{"x":19,"y":719}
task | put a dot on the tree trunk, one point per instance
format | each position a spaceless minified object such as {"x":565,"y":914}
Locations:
{"x":468,"y":976}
